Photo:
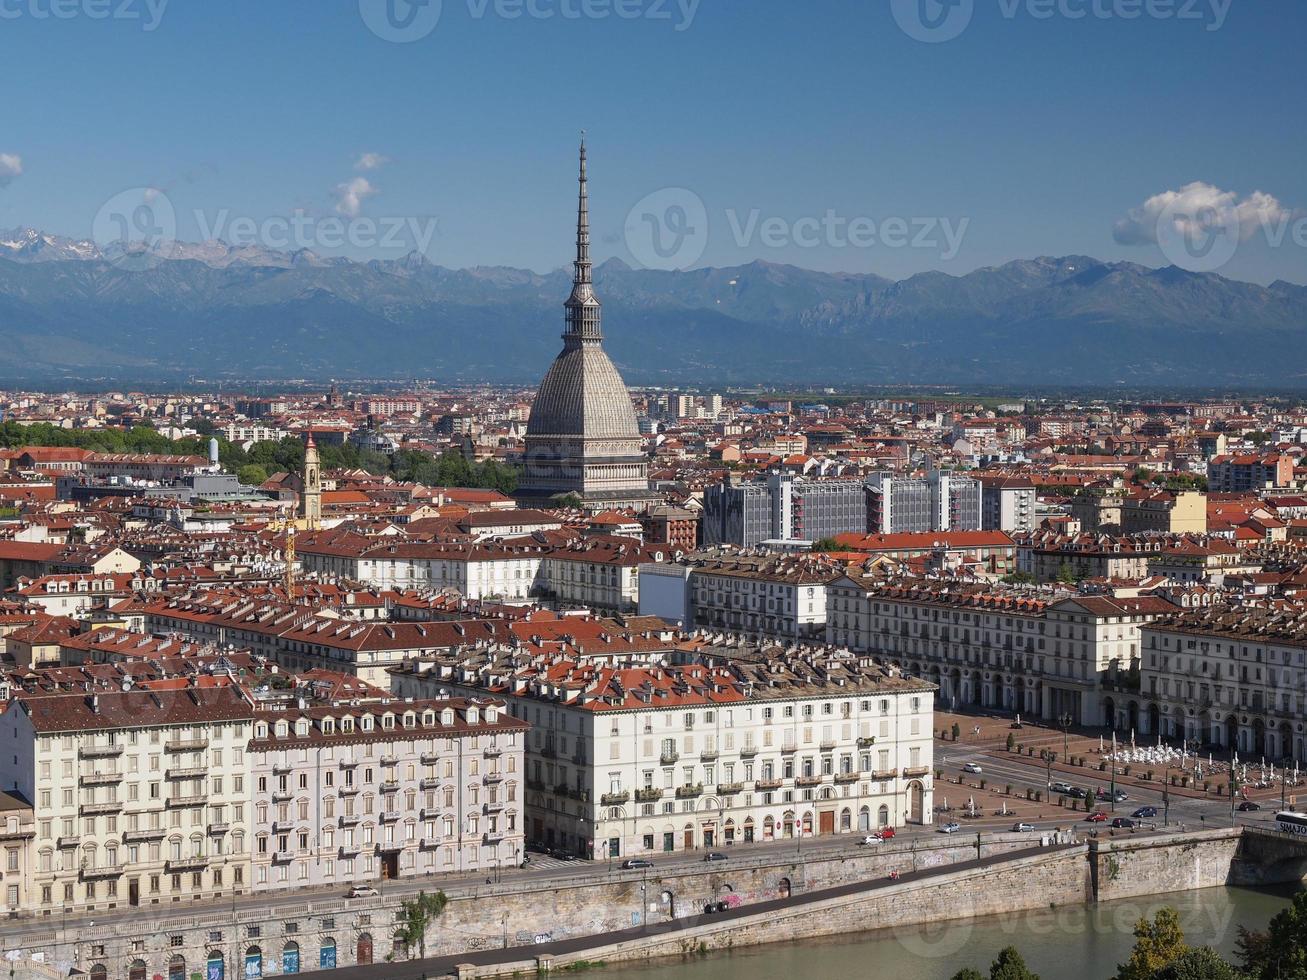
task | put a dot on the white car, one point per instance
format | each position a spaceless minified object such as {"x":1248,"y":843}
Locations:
{"x":363,"y":891}
{"x":870,"y":839}
{"x":972,"y":767}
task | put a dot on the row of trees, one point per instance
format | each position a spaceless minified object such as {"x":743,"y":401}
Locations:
{"x":1160,"y":952}
{"x":265,"y":458}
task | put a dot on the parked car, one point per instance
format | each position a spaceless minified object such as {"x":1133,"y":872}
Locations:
{"x":885,"y":833}
{"x":363,"y":891}
{"x":1022,"y":828}
{"x":972,"y":767}
{"x":1075,"y":792}
{"x":1248,"y":806}
{"x":1123,"y":823}
{"x":1063,"y":788}
{"x":1098,"y":816}
{"x":870,"y":839}
{"x":952,"y":827}
{"x":715,"y":856}
{"x":1120,"y":796}
{"x":1145,"y":813}
{"x":562,"y":855}
{"x":630,"y":863}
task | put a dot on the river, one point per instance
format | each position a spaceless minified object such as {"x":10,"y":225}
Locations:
{"x":1073,"y":943}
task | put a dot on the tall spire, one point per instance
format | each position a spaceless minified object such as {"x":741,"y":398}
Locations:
{"x":582,"y":306}
{"x":582,"y":264}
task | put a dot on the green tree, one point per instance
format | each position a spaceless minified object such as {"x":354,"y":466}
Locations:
{"x":957,"y":730}
{"x":825,"y":544}
{"x":1281,"y":953}
{"x":416,"y":916}
{"x":1253,"y":950}
{"x":1010,"y":966}
{"x":1091,"y":801}
{"x":1011,"y":741}
{"x":252,"y":475}
{"x":1158,"y":943}
{"x":1019,"y":578}
{"x":1067,"y":575}
{"x":967,"y":973}
{"x":1198,"y":963}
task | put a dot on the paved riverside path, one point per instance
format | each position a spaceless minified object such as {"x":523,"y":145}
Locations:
{"x":434,"y":967}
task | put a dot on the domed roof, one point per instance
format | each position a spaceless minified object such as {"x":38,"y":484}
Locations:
{"x":583,"y":395}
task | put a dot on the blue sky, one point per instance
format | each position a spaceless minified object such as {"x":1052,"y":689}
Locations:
{"x":1032,"y":132}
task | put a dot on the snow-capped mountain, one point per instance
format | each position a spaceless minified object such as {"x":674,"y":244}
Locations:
{"x":30,"y":245}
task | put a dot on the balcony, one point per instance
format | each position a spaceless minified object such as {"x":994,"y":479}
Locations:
{"x":349,"y":763}
{"x":390,"y":786}
{"x":615,"y":799}
{"x":748,"y":752}
{"x":494,"y":777}
{"x":139,"y":836}
{"x":493,"y":752}
{"x":708,"y":755}
{"x":826,"y":744}
{"x":95,"y":809}
{"x":494,"y":806}
{"x":389,"y":816}
{"x":429,"y":813}
{"x":492,"y":837}
{"x":429,"y":843}
{"x":916,"y":771}
{"x":668,"y":758}
{"x":281,"y":795}
{"x":808,"y":781}
{"x":846,"y":777}
{"x":101,"y":778}
{"x":429,"y":758}
{"x":789,"y":748}
{"x":648,"y":795}
{"x":727,"y":789}
{"x":349,"y":850}
{"x":390,"y":759}
{"x":192,"y":772}
{"x":390,"y":846}
{"x":99,"y":751}
{"x":549,"y":752}
{"x":99,"y":874}
{"x":431,"y":782}
{"x":73,"y":840}
{"x":689,"y":792}
{"x":866,"y":740}
{"x":349,"y":819}
{"x":347,"y":791}
{"x":283,"y":826}
{"x":196,"y":862}
{"x":219,"y":828}
{"x":179,"y":801}
{"x":282,"y":857}
{"x":186,"y":745}
{"x":765,"y":785}
{"x":883,"y":774}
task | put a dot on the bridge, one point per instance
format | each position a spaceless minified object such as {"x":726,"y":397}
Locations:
{"x":1272,"y":855}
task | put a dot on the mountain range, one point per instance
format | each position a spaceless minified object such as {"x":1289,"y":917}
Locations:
{"x":73,"y":310}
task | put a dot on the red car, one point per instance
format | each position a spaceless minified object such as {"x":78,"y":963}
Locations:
{"x":1097,"y":816}
{"x":885,"y":833}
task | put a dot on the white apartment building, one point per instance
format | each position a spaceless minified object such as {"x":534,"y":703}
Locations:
{"x":740,"y":745}
{"x":1229,"y":676}
{"x":140,"y":798}
{"x":1045,"y":653}
{"x":344,"y":794}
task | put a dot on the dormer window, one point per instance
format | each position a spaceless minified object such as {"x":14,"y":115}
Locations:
{"x":409,"y":719}
{"x":447,"y":716}
{"x":328,"y":726}
{"x":491,"y":715}
{"x":387,"y":721}
{"x":302,"y":727}
{"x":471,"y":716}
{"x":281,"y":729}
{"x":347,"y":724}
{"x":260,"y":730}
{"x":428,"y":718}
{"x":366,"y":723}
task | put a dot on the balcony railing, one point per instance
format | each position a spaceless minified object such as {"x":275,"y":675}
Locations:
{"x":494,"y":777}
{"x":916,"y":771}
{"x":347,"y":791}
{"x":177,"y":801}
{"x":107,"y":871}
{"x":349,"y":819}
{"x":728,"y":788}
{"x":192,"y":772}
{"x":749,"y":751}
{"x":826,"y":744}
{"x":884,"y":774}
{"x":99,"y":751}
{"x":282,"y":857}
{"x":808,"y":781}
{"x":431,"y":782}
{"x":708,"y":755}
{"x":866,"y":740}
{"x":648,"y":795}
{"x":390,"y":786}
{"x":219,"y":828}
{"x":73,"y":840}
{"x":615,"y":799}
{"x":195,"y":862}
{"x":281,"y":795}
{"x":185,"y":744}
{"x":789,"y":747}
{"x":493,"y":751}
{"x":150,"y":833}
{"x":100,"y":778}
{"x":389,"y":816}
{"x":688,"y":792}
{"x":846,"y":777}
{"x":349,"y":850}
{"x":667,"y":758}
{"x":93,"y":809}
{"x":764,"y":785}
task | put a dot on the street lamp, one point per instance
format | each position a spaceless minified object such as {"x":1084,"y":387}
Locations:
{"x":1064,"y":722}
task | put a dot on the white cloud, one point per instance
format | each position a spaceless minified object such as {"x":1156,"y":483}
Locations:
{"x":11,"y":166}
{"x":1199,"y":207}
{"x":351,"y":195}
{"x":371,"y":161}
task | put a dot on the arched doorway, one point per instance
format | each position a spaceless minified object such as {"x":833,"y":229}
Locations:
{"x":668,"y":902}
{"x":916,"y":802}
{"x":363,"y":952}
{"x":177,"y":968}
{"x":99,"y":972}
{"x":1231,"y":732}
{"x":768,"y":828}
{"x":882,"y":816}
{"x":788,"y":826}
{"x":846,"y":820}
{"x":864,"y":819}
{"x":290,"y":958}
{"x":327,"y":954}
{"x":784,"y":888}
{"x":1109,"y":713}
{"x":1154,"y":719}
{"x":253,"y":963}
{"x":748,"y":830}
{"x":215,"y":967}
{"x":136,"y":971}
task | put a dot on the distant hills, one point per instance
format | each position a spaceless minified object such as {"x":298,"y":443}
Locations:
{"x":72,"y":310}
